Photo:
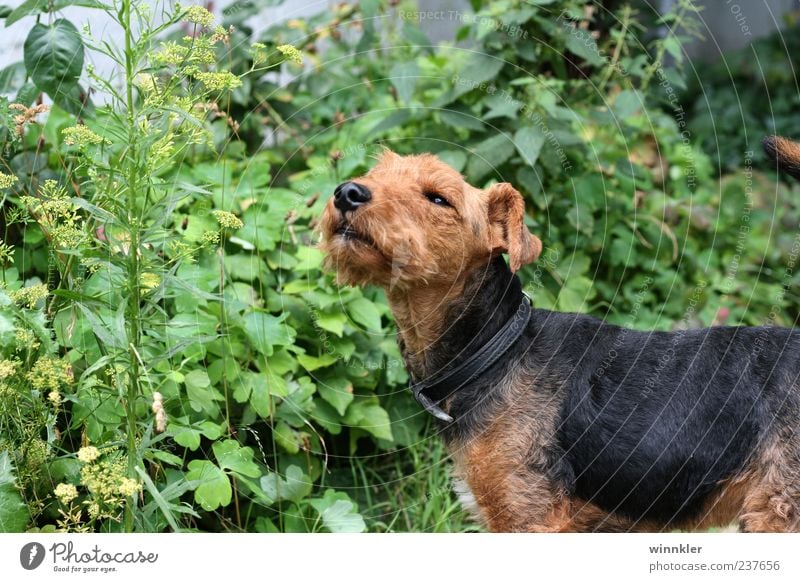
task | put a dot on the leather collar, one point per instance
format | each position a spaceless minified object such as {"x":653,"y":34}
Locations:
{"x":432,"y":391}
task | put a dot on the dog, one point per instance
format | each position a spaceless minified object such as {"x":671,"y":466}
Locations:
{"x":560,"y":422}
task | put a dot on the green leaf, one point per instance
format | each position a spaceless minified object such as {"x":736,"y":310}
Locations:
{"x":462,"y":118}
{"x":370,"y":417}
{"x":103,"y":328}
{"x":338,"y":513}
{"x":214,"y":489}
{"x":53,"y":56}
{"x":308,"y":258}
{"x":364,"y":312}
{"x":627,"y":103}
{"x":332,"y":322}
{"x":456,"y":159}
{"x":395,"y":118}
{"x":165,"y":507}
{"x":233,"y":457}
{"x":479,"y":68}
{"x":311,"y":363}
{"x":74,"y":100}
{"x":336,"y":391}
{"x":189,"y":435}
{"x":575,"y":295}
{"x":288,"y":438}
{"x":403,"y":76}
{"x":294,"y":487}
{"x":581,"y":43}
{"x":266,"y":331}
{"x":488,"y":156}
{"x":14,"y":514}
{"x":529,"y":142}
{"x":200,"y":392}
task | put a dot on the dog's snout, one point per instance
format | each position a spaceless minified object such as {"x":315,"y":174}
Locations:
{"x":349,"y":196}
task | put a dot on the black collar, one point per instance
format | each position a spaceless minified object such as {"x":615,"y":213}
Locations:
{"x":433,"y":390}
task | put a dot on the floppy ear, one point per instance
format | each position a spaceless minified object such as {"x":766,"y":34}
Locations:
{"x":507,"y":231}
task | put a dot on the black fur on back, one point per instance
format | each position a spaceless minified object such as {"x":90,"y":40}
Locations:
{"x":650,"y":422}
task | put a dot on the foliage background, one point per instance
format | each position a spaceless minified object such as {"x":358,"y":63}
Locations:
{"x":284,"y":395}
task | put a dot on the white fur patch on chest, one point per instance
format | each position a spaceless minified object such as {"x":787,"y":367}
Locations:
{"x":467,"y":499}
{"x":463,"y":491}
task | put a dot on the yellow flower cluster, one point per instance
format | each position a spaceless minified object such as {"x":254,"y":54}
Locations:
{"x":66,"y":492}
{"x":25,"y":339}
{"x":209,"y":238}
{"x":7,"y":180}
{"x":227,"y":219}
{"x":173,"y":53}
{"x":149,"y":281}
{"x":30,"y":296}
{"x":81,"y":136}
{"x":259,"y":52}
{"x":67,"y":236}
{"x":107,"y":482}
{"x":56,"y":212}
{"x":129,"y":487}
{"x":6,"y":253}
{"x":36,"y":454}
{"x":291,"y":53}
{"x":146,"y":82}
{"x":49,"y":373}
{"x":55,"y":398}
{"x":199,"y":15}
{"x":8,"y":368}
{"x":219,"y":81}
{"x":54,"y":201}
{"x":88,"y":454}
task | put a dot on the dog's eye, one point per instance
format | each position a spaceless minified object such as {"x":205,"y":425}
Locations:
{"x":437,"y":199}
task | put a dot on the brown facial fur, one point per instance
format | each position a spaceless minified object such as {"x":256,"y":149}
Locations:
{"x":420,"y":252}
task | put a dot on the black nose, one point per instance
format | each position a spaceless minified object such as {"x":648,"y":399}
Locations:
{"x":349,"y":196}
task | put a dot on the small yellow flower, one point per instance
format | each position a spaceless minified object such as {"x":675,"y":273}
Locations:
{"x":55,"y":398}
{"x":171,"y":53}
{"x":25,"y":339}
{"x":6,"y":253}
{"x":129,"y":487}
{"x":66,"y":492}
{"x":210,"y":238}
{"x":6,"y":180}
{"x":149,"y":281}
{"x":199,"y":15}
{"x":259,"y":52}
{"x":81,"y":136}
{"x":227,"y":219}
{"x":93,"y":509}
{"x":291,"y":53}
{"x":67,"y":236}
{"x":88,"y":454}
{"x":8,"y":368}
{"x":219,"y":81}
{"x":49,"y":373}
{"x":30,"y":296}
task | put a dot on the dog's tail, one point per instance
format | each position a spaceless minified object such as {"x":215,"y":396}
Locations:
{"x":785,"y":152}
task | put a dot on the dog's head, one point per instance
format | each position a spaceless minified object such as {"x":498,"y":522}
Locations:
{"x":413,"y":220}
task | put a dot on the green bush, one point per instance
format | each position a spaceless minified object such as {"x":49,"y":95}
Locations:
{"x":172,"y":355}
